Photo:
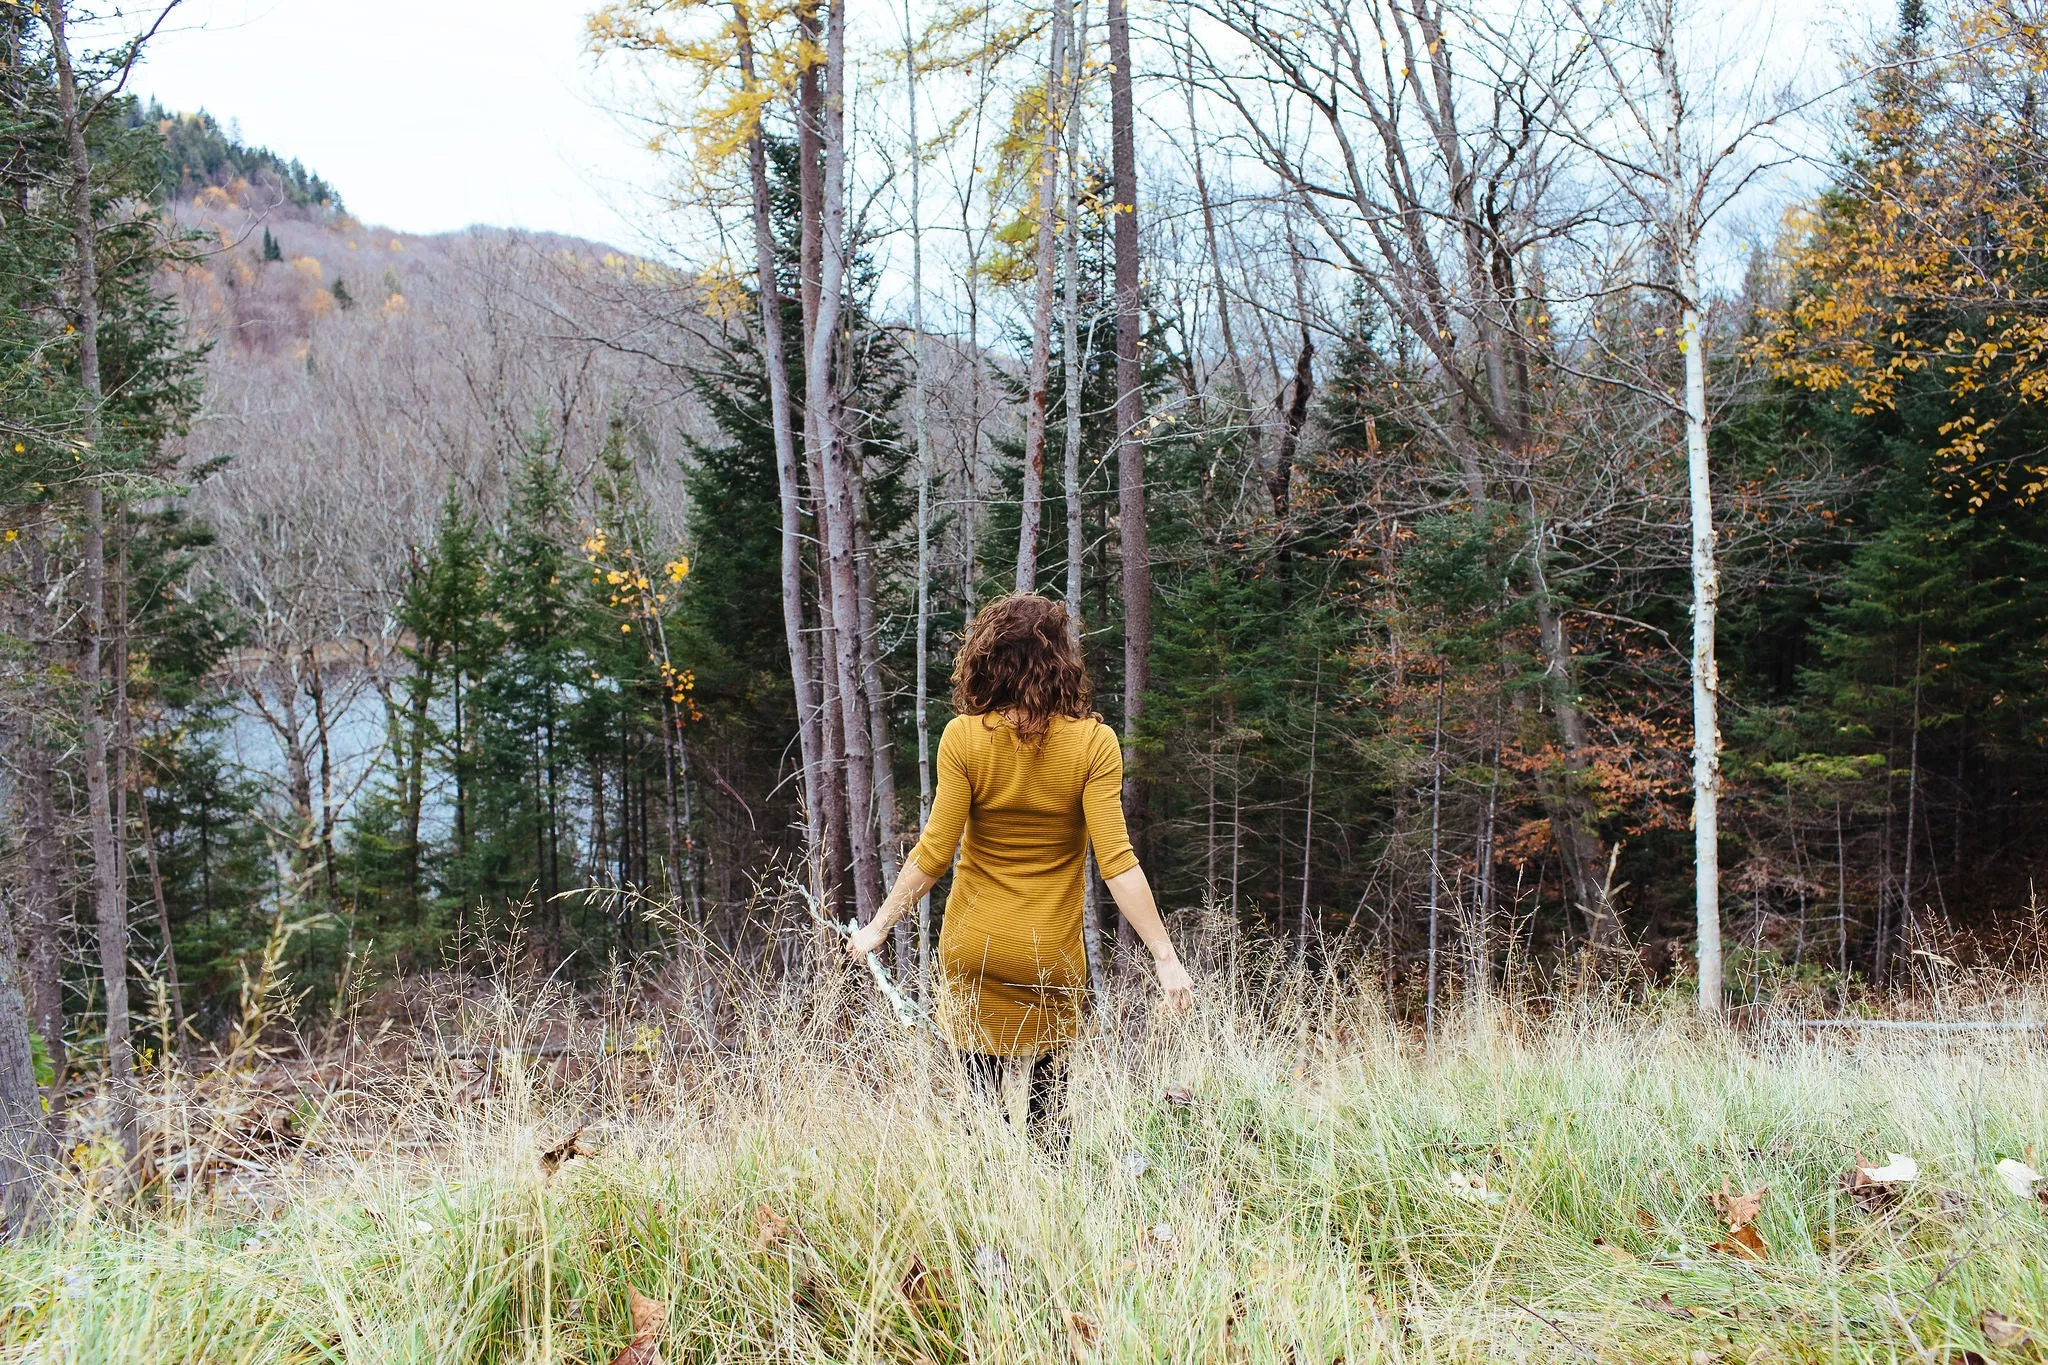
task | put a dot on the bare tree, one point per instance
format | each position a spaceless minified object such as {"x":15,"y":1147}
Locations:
{"x":110,"y":911}
{"x":788,"y":486}
{"x":1135,"y":550}
{"x":1046,"y":177}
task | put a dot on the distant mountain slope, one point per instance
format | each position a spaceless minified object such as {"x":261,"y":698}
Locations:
{"x":198,"y":153}
{"x":354,"y":375}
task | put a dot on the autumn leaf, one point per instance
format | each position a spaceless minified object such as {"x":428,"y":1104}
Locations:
{"x":770,"y":1228}
{"x":1179,"y":1096}
{"x":1620,"y":1254}
{"x":1743,"y":1242}
{"x":920,"y":1285}
{"x":1737,"y":1210}
{"x":2001,"y":1331}
{"x":1645,"y":1220}
{"x":2019,"y":1177}
{"x":1898,"y":1169}
{"x":1085,"y":1331}
{"x":649,"y":1317}
{"x":564,"y":1151}
{"x":1877,"y":1188}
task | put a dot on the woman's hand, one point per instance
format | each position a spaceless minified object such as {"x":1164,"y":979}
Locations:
{"x":1174,"y":983}
{"x":866,"y":939}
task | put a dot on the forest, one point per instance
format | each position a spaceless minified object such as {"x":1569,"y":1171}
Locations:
{"x":1551,"y":506}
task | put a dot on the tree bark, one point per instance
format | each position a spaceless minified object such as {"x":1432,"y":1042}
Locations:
{"x":110,"y":913}
{"x":788,"y":487}
{"x":822,"y":410}
{"x":921,"y":431}
{"x":1032,"y":507}
{"x":1706,"y":595}
{"x":24,"y":1133}
{"x":1135,"y":553}
{"x":1070,"y":336}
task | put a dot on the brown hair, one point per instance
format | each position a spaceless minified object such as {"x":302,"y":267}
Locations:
{"x":1021,"y":655}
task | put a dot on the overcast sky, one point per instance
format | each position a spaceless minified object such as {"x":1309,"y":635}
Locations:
{"x":427,"y":115}
{"x":433,"y":115}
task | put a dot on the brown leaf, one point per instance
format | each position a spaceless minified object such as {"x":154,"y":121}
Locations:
{"x":1663,"y":1304}
{"x":1645,"y":1220}
{"x":1086,"y":1330}
{"x":649,"y":1317}
{"x":1621,"y":1254}
{"x":920,"y":1285}
{"x":567,"y":1149}
{"x":1869,"y":1196}
{"x":1743,"y":1242}
{"x":770,"y":1228}
{"x":1737,"y":1210}
{"x":2001,"y":1331}
{"x":1179,"y":1096}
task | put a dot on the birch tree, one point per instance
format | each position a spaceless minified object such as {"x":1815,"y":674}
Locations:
{"x":1046,"y":183}
{"x":1653,"y":149}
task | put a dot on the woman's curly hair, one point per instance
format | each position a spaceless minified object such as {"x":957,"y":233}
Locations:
{"x":1021,"y":656}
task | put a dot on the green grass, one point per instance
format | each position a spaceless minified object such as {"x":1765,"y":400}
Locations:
{"x":1307,"y":1190}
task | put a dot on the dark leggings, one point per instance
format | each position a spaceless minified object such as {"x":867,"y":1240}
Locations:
{"x":1047,"y":1117}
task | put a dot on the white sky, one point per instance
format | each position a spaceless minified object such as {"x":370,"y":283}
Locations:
{"x":426,"y":115}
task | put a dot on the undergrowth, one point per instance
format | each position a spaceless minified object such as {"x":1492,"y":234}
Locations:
{"x":1280,"y":1176}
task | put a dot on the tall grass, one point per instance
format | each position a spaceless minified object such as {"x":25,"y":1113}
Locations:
{"x":1281,"y":1176}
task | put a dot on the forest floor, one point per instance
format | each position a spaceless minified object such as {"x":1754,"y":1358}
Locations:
{"x":1277,"y":1177}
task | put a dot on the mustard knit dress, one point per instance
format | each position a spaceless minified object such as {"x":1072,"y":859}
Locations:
{"x":1010,"y":952}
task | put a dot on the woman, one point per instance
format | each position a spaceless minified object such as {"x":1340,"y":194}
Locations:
{"x":1029,"y":775}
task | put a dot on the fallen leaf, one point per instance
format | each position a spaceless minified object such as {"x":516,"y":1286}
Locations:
{"x":1621,"y":1254}
{"x":1743,"y":1242}
{"x":1645,"y":1220}
{"x":2001,"y":1331}
{"x":1663,"y":1304}
{"x":1179,"y":1096}
{"x":649,"y":1317}
{"x":1737,"y":1210}
{"x":2019,"y":1177}
{"x":1869,"y":1195}
{"x":568,"y":1149}
{"x":991,"y":1267}
{"x":1085,"y":1330}
{"x":920,"y":1285}
{"x":770,"y":1228}
{"x":1897,"y":1170}
{"x":1473,"y":1187}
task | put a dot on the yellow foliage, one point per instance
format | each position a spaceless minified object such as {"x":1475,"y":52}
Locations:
{"x":722,"y":290}
{"x":1931,"y":231}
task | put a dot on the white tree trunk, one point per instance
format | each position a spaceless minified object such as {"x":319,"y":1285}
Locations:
{"x":789,"y":487}
{"x":1683,"y":231}
{"x":1033,"y":503}
{"x":841,"y":513}
{"x":921,"y":430}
